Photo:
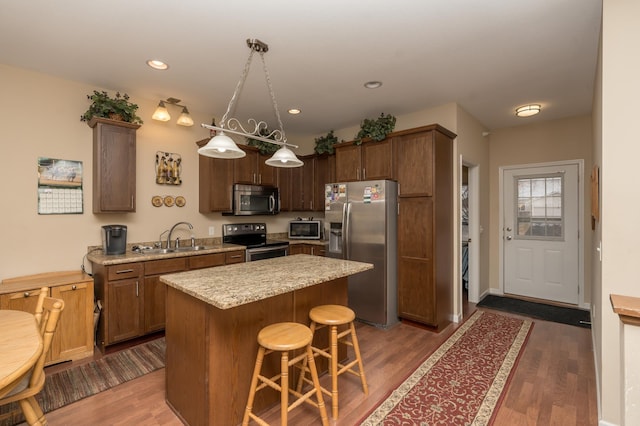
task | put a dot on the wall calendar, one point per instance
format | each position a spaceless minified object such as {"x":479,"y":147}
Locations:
{"x":59,"y":186}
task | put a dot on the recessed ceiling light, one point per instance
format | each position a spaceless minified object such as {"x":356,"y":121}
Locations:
{"x":528,"y":110}
{"x":373,"y":84}
{"x":157,"y":64}
{"x":294,"y":111}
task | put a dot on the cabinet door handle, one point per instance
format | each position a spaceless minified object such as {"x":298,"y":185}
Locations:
{"x":364,"y":174}
{"x":124,"y":271}
{"x":27,"y":294}
{"x":137,"y":293}
{"x":358,"y":174}
{"x":73,"y":287}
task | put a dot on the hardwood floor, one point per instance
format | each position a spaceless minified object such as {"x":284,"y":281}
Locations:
{"x":554,"y":382}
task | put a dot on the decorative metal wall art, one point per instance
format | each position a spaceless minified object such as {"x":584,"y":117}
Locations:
{"x":168,"y":168}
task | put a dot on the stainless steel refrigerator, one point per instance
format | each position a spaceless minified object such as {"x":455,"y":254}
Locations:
{"x":361,"y":224}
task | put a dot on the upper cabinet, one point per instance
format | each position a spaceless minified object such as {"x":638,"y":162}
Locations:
{"x":114,"y":165}
{"x":306,"y":187}
{"x":415,"y":151}
{"x":215,"y":177}
{"x":251,"y":169}
{"x":368,"y":161}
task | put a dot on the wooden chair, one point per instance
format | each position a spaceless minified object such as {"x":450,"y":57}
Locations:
{"x":333,"y":317}
{"x":284,"y":337}
{"x":47,"y":316}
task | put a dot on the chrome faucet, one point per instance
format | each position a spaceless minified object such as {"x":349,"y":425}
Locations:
{"x":171,"y":232}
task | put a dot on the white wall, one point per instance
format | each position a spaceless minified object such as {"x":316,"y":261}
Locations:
{"x":620,"y":151}
{"x":41,"y":118}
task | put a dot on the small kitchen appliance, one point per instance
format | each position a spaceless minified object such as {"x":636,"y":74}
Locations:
{"x":305,"y":229}
{"x":254,"y":237}
{"x":114,"y":239}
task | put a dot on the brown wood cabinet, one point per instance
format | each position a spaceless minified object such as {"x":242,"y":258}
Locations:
{"x":324,"y":172}
{"x":74,"y":337}
{"x":215,"y":183}
{"x":114,"y":165}
{"x":302,"y":248}
{"x":302,"y":188}
{"x":368,"y":161}
{"x":251,"y":169}
{"x":302,"y":184}
{"x":424,"y":164}
{"x":155,"y":292}
{"x":133,"y":298}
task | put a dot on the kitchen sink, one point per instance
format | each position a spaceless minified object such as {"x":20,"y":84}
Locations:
{"x":157,"y":251}
{"x":192,"y":248}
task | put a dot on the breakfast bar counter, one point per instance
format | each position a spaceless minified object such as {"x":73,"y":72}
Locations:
{"x":214,"y":315}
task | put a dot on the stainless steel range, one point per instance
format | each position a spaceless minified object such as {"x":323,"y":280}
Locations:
{"x":254,"y":237}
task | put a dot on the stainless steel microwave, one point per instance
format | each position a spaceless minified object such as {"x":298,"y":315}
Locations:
{"x":255,"y":200}
{"x":305,"y":229}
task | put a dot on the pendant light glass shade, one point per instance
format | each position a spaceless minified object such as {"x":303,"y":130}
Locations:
{"x":284,"y":157}
{"x":185,"y":119}
{"x":161,"y":113}
{"x":221,"y":146}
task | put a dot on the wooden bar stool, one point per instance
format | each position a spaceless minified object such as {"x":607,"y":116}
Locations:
{"x":284,"y":337}
{"x":334,"y":316}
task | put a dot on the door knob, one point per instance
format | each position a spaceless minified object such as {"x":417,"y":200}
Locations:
{"x":508,"y":229}
{"x":509,"y":237}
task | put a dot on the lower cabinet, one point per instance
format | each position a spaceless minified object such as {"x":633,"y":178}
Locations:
{"x":73,"y":338}
{"x":312,"y":249}
{"x":134,"y":299}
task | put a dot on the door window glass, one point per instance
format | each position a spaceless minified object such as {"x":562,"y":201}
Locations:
{"x":539,"y":209}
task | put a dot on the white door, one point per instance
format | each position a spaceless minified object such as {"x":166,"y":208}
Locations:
{"x":540,"y":231}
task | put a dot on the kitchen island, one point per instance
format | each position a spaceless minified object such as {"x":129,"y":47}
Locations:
{"x":213,"y":319}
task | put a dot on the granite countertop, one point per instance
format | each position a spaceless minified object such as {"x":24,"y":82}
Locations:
{"x":229,"y":286}
{"x":97,"y":256}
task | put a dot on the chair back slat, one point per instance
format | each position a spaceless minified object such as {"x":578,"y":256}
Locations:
{"x":50,"y":314}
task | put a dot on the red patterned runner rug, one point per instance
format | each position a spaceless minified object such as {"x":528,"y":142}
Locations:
{"x":463,"y":380}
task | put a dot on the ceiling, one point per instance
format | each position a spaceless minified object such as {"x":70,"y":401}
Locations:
{"x":488,"y":56}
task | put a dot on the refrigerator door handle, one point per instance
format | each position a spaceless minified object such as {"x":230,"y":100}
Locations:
{"x":346,"y":241}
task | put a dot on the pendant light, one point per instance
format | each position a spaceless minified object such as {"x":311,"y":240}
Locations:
{"x":222,"y":146}
{"x":284,"y":157}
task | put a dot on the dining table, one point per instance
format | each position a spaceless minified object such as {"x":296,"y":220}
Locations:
{"x":20,"y":347}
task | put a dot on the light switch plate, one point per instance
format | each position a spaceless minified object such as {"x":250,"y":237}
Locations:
{"x":211,"y":230}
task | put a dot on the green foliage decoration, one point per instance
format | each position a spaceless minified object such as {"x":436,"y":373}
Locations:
{"x":115,"y":108}
{"x":265,"y":148}
{"x":324,"y":144}
{"x":377,"y":129}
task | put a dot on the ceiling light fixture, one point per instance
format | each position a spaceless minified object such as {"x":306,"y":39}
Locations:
{"x":528,"y":110}
{"x":162,"y":113}
{"x":157,"y":65}
{"x":373,"y":84}
{"x":294,"y":111}
{"x":222,"y":146}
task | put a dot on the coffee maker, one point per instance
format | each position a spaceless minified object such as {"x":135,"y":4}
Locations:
{"x":114,"y":239}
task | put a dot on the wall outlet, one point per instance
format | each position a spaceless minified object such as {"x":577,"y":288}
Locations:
{"x":212,"y":230}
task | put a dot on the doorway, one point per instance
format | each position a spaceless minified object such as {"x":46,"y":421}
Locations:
{"x":469,"y":232}
{"x":541,"y":227}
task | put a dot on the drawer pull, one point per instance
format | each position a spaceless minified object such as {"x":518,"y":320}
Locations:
{"x":235,"y":256}
{"x":27,"y":294}
{"x":124,"y":271}
{"x":73,"y":287}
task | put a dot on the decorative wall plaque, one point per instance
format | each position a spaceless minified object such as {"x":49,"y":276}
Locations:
{"x":168,"y":168}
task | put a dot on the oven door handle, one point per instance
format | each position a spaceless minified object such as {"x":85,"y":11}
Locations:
{"x":264,"y":249}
